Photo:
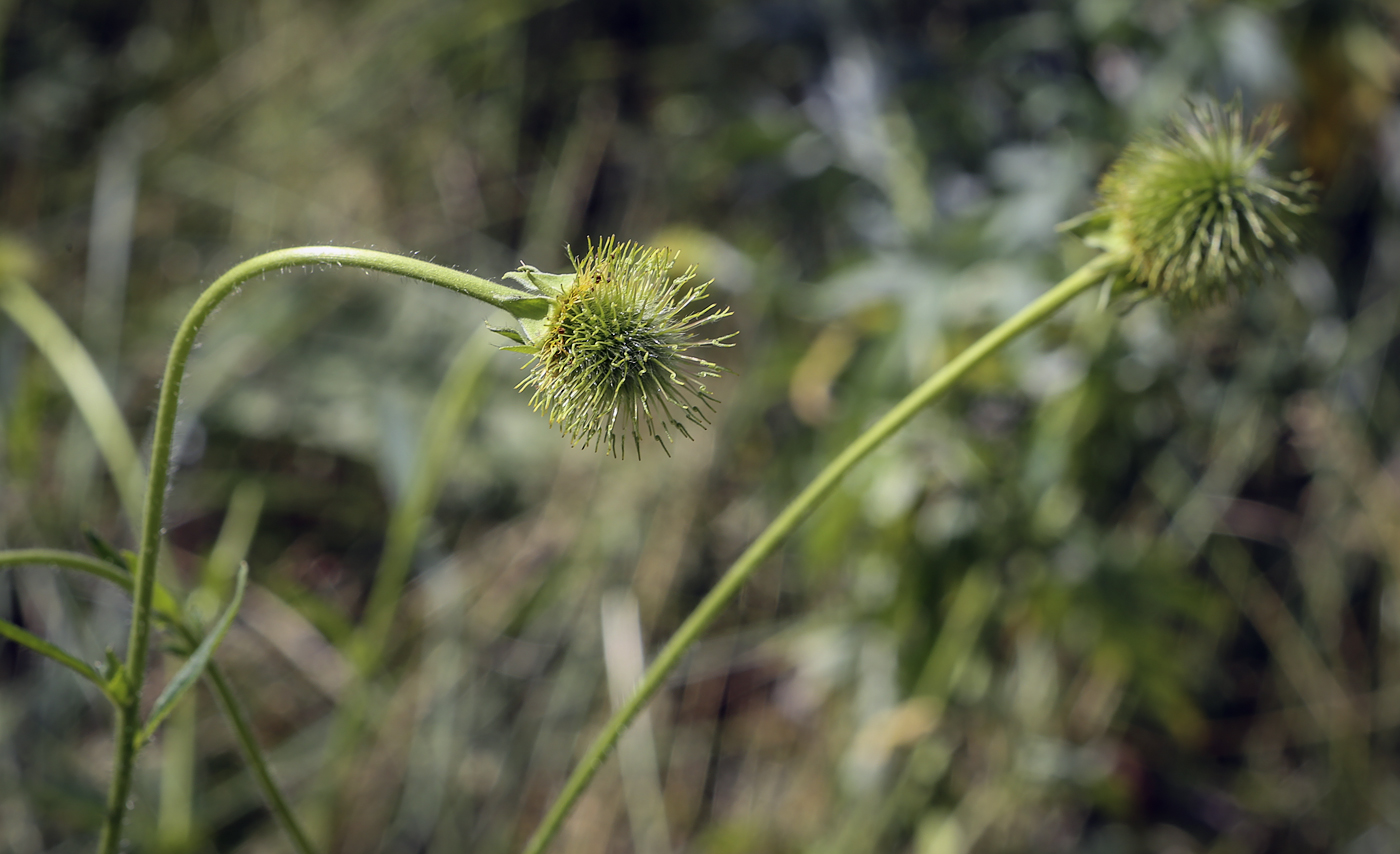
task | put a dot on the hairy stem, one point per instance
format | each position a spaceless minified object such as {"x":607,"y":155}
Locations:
{"x":517,"y":302}
{"x":714,"y":602}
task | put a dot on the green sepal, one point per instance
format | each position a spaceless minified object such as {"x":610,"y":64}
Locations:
{"x":508,"y":333}
{"x":1088,"y":222}
{"x":1095,"y":228}
{"x":528,"y":307}
{"x":527,"y":349}
{"x":534,"y":318}
{"x":527,"y":337}
{"x":539,"y":282}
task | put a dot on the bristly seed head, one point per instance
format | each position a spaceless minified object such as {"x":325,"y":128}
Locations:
{"x":612,"y":358}
{"x":1194,"y":210}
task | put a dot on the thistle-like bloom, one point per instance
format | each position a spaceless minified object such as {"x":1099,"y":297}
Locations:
{"x":1193,"y":210}
{"x":611,"y":358}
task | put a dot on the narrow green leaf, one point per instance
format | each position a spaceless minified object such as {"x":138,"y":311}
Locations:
{"x":43,"y":647}
{"x":88,"y":390}
{"x":512,"y":334}
{"x":104,"y":550}
{"x":190,"y":672}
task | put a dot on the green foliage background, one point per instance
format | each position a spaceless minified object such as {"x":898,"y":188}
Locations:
{"x":1133,"y":588}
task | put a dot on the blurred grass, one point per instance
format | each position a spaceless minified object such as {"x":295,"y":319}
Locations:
{"x":1133,"y":589}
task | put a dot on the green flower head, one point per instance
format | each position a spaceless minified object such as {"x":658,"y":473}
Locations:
{"x":612,"y":359}
{"x":1192,"y":209}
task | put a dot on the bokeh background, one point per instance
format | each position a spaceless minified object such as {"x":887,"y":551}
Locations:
{"x":1131,"y":589}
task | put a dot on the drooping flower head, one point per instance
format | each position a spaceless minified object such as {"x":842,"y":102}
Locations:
{"x":1193,"y":209}
{"x":612,"y":357}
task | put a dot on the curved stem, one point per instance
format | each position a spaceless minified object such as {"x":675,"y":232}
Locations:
{"x":515,"y":301}
{"x":709,"y":608}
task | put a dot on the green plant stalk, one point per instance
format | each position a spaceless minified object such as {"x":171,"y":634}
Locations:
{"x":94,"y":400}
{"x":68,"y":560}
{"x":517,"y":302}
{"x":1087,"y":276}
{"x":228,"y":701}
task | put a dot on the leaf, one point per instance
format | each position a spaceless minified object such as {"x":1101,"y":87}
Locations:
{"x":104,"y":550}
{"x":507,"y":332}
{"x":44,"y":648}
{"x":190,"y":672}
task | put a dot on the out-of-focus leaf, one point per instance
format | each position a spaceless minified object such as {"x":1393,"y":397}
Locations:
{"x":48,"y":650}
{"x":193,"y":667}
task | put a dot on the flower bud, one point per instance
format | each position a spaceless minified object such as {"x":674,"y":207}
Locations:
{"x":1192,"y":209}
{"x":612,"y":357}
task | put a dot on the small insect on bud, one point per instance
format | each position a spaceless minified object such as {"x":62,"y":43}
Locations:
{"x":612,"y":357}
{"x":1192,"y":209}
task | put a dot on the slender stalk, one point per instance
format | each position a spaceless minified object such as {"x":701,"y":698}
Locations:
{"x":67,"y":560}
{"x":228,"y":701}
{"x":517,"y":302}
{"x":94,"y":400}
{"x":714,"y":602}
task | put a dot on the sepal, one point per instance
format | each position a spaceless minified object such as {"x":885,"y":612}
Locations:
{"x":539,"y":282}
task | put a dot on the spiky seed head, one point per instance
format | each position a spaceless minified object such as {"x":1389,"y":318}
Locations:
{"x":1194,"y":210}
{"x":613,"y":358}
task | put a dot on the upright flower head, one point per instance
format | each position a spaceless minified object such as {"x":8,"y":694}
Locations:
{"x":612,"y":357}
{"x":1193,"y":210}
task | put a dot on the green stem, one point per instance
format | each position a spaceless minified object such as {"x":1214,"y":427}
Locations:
{"x":515,"y":301}
{"x":228,"y":701}
{"x":714,"y":602}
{"x":67,"y":560}
{"x":73,"y":364}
